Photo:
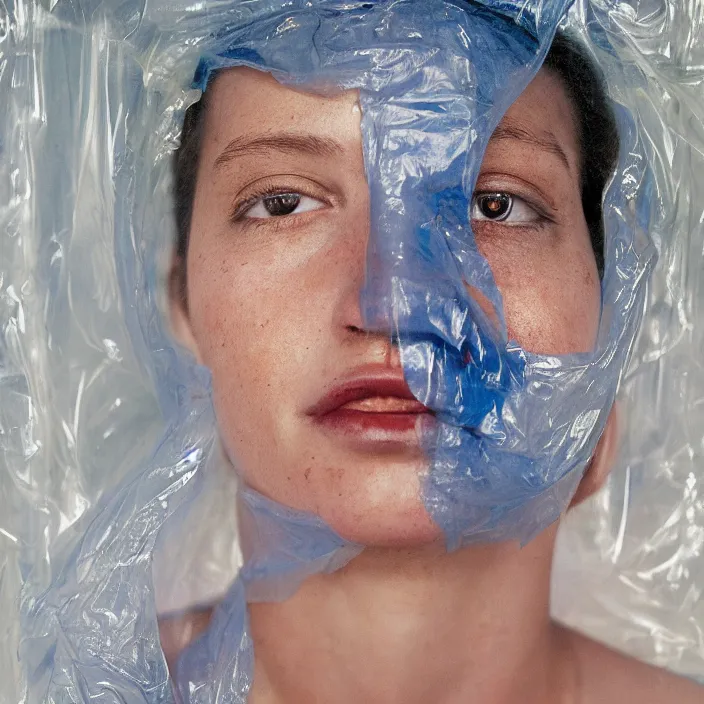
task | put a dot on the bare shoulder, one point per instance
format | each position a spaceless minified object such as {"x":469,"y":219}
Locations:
{"x":606,"y":677}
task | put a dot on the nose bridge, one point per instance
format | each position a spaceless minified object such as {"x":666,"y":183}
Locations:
{"x":351,"y":263}
{"x":418,"y":159}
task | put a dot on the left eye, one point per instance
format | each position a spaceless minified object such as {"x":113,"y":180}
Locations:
{"x":277,"y":205}
{"x":502,"y":207}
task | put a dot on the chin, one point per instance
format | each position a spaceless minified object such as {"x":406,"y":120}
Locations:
{"x":370,"y":498}
{"x":396,"y":527}
{"x":380,"y":507}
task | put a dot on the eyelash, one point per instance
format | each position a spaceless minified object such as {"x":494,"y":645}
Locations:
{"x":542,"y":216}
{"x":240,"y":209}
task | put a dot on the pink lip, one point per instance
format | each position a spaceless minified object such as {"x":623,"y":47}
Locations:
{"x":371,"y":406}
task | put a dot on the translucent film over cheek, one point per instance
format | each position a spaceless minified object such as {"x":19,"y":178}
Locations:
{"x":514,"y":430}
{"x":119,"y":510}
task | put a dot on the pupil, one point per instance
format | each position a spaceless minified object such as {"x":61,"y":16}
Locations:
{"x":281,"y":203}
{"x":495,"y":206}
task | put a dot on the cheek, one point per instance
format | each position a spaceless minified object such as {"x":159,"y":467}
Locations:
{"x":238,"y":344}
{"x":551,"y":296}
{"x":246,"y":301}
{"x":262,"y":313}
{"x":242,"y":323}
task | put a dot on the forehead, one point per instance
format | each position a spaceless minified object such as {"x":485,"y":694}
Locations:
{"x":246,"y":102}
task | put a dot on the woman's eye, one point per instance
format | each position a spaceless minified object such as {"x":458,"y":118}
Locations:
{"x":279,"y":204}
{"x":502,"y":207}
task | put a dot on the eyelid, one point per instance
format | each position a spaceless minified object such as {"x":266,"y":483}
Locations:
{"x":536,"y":214}
{"x":518,"y":188}
{"x":276,"y":185}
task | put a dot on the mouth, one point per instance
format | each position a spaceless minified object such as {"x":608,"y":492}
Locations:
{"x":371,"y":408}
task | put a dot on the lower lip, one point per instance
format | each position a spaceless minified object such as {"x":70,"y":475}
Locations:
{"x":374,"y":427}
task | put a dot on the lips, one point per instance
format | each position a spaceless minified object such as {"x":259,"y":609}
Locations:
{"x":380,"y":394}
{"x":371,"y":407}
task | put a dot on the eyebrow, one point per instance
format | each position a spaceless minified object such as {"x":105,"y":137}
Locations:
{"x":285,"y":143}
{"x":546,"y":141}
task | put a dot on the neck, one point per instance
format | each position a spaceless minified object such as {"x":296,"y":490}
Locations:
{"x":407,"y":626}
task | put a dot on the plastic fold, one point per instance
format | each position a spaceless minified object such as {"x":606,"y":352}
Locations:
{"x":118,"y":504}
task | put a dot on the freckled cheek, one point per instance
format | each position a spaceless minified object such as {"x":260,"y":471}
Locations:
{"x":260,"y":330}
{"x":239,"y":343}
{"x":231,"y":325}
{"x":551,"y":310}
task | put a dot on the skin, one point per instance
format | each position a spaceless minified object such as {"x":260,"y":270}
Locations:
{"x":273,"y":354}
{"x":273,"y":311}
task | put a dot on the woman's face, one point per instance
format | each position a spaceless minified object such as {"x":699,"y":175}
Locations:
{"x":312,"y":409}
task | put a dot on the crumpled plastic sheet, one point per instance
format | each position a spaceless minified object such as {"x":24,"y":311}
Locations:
{"x":501,"y":409}
{"x":107,"y":431}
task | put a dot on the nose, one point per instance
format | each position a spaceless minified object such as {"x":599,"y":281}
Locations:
{"x":366,"y":277}
{"x":412,"y":278}
{"x":351,"y":263}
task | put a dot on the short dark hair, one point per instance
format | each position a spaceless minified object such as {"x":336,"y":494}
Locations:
{"x":597,"y":133}
{"x":185,"y":167}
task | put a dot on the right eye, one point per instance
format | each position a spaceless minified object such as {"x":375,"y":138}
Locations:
{"x":276,"y":205}
{"x":504,"y":208}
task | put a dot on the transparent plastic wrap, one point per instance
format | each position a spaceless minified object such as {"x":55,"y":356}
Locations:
{"x":123,"y":483}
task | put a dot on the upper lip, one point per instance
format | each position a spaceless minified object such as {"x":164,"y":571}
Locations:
{"x":363,"y":385}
